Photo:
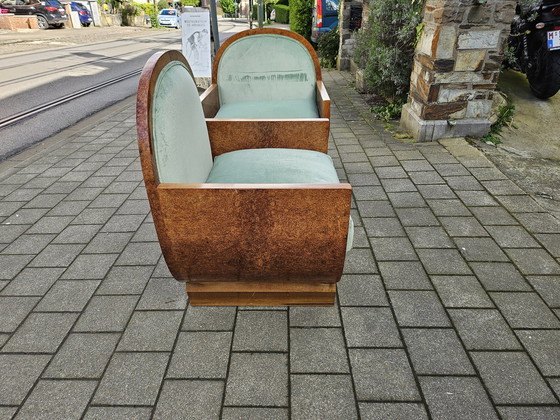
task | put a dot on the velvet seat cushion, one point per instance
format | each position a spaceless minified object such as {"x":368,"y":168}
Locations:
{"x":276,"y":166}
{"x":294,"y":108}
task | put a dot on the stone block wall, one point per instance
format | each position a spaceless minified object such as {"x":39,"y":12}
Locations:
{"x":456,"y":67}
{"x":347,"y":36}
{"x":14,"y":23}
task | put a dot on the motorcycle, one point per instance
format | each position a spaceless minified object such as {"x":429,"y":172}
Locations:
{"x":535,"y":44}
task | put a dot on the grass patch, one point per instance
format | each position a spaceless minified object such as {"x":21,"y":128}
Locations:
{"x":505,"y":119}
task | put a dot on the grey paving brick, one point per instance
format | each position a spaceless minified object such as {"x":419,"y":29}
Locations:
{"x":363,"y":179}
{"x":380,"y":208}
{"x":483,"y":329}
{"x":132,"y":379}
{"x":429,"y":237}
{"x":45,"y":201}
{"x":254,"y":413}
{"x":450,"y":169}
{"x":480,"y":249}
{"x":383,"y":375}
{"x":77,"y":234}
{"x":68,"y":296}
{"x":314,"y":316}
{"x":502,"y":187}
{"x":398,"y":185}
{"x":370,"y":327}
{"x":13,"y":310}
{"x":463,"y":183}
{"x":529,"y":413}
{"x":32,"y":282}
{"x":163,"y":293}
{"x":9,"y":233}
{"x":62,"y":186}
{"x":436,"y":352}
{"x":7,"y":208}
{"x":525,"y":310}
{"x":431,"y":192}
{"x":542,"y":346}
{"x":462,"y":226}
{"x":123,"y":223}
{"x":57,"y":400}
{"x":487,"y":174}
{"x":491,"y":215}
{"x":209,"y":318}
{"x":85,"y":193}
{"x":106,"y":314}
{"x":383,"y":226}
{"x":422,"y":216}
{"x":261,"y":331}
{"x":108,"y":243}
{"x":50,"y":224}
{"x":322,"y":397}
{"x":555,"y":384}
{"x":382,"y":411}
{"x":512,"y":237}
{"x":426,"y":178}
{"x":125,"y":280}
{"x":461,"y":291}
{"x":456,"y":398}
{"x":23,"y":194}
{"x":393,"y":249}
{"x":190,"y":400}
{"x":391,"y":172}
{"x":500,"y":277}
{"x":404,"y":275}
{"x":118,"y":413}
{"x":443,"y":261}
{"x":56,"y":256}
{"x":146,"y":233}
{"x":452,"y":207}
{"x":28,"y":244}
{"x":359,"y":261}
{"x":68,"y":208}
{"x":551,"y":242}
{"x":108,"y":200}
{"x":19,"y":372}
{"x":161,"y":269}
{"x":11,"y":265}
{"x":511,"y":378}
{"x":41,"y":333}
{"x":130,"y":206}
{"x":248,"y":386}
{"x":7,"y":413}
{"x":548,"y":287}
{"x":361,"y":290}
{"x":93,"y":216}
{"x":519,"y":203}
{"x":151,"y":331}
{"x":90,"y":266}
{"x":140,"y":253}
{"x":380,"y":161}
{"x":539,"y":222}
{"x":82,"y":356}
{"x":369,"y":193}
{"x":329,"y":355}
{"x":533,"y":261}
{"x":201,"y":355}
{"x":406,"y":199}
{"x":418,"y":309}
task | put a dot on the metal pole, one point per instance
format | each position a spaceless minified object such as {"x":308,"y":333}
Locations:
{"x":260,"y":13}
{"x":214,"y":22}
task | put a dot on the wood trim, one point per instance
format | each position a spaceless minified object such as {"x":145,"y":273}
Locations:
{"x":227,"y":135}
{"x":323,"y":101}
{"x":274,"y":31}
{"x":210,"y":100}
{"x":260,"y":294}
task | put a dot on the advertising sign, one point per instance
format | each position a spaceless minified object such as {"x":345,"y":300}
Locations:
{"x":196,"y":41}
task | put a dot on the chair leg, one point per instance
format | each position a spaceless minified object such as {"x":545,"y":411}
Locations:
{"x":260,"y":294}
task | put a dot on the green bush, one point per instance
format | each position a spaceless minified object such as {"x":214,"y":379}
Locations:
{"x":327,"y":48}
{"x":228,"y":7}
{"x":194,"y":3}
{"x":301,"y":17}
{"x":282,"y":13}
{"x":385,"y":46}
{"x":128,"y":12}
{"x":162,"y":4}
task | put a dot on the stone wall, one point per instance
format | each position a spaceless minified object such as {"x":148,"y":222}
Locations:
{"x":16,"y":23}
{"x":347,"y":35}
{"x":456,"y":67}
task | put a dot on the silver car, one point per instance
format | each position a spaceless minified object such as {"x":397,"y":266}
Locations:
{"x":169,"y":18}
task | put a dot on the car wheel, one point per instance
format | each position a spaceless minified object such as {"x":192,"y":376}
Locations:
{"x":42,"y":21}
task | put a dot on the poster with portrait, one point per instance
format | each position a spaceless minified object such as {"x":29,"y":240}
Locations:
{"x":196,"y":41}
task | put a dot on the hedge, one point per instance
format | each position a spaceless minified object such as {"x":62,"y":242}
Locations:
{"x":301,"y":17}
{"x":282,"y":13}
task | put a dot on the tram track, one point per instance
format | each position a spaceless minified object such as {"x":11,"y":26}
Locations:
{"x":20,"y":116}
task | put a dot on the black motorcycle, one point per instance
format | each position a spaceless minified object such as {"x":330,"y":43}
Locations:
{"x":535,"y":43}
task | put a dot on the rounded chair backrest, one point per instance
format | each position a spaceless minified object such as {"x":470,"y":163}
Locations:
{"x":265,"y":66}
{"x":180,"y":141}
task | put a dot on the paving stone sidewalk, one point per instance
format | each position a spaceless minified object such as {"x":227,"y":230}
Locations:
{"x":449,"y":307}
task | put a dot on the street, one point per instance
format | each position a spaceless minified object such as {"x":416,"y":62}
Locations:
{"x":32,"y":79}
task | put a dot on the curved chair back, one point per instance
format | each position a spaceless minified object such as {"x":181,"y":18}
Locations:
{"x":264,"y":65}
{"x":173,"y":121}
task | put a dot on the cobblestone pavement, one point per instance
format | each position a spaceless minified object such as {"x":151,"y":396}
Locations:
{"x":449,"y":307}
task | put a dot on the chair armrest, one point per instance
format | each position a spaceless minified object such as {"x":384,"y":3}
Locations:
{"x":227,"y":135}
{"x":323,"y":101}
{"x":255,"y":232}
{"x":210,"y":100}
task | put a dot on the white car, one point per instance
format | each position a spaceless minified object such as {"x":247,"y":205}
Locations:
{"x":169,"y":18}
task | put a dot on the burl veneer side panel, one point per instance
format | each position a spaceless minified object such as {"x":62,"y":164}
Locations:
{"x":250,"y":232}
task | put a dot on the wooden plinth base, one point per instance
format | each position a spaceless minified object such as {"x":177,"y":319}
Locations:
{"x":261,"y":294}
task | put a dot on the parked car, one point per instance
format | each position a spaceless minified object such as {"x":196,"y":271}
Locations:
{"x":83,"y":13}
{"x":325,"y":18}
{"x":169,"y":18}
{"x":50,"y":13}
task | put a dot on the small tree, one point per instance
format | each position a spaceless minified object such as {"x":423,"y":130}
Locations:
{"x":228,"y":6}
{"x":301,"y":17}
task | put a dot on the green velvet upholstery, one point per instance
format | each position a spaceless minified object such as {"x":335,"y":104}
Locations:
{"x":180,"y":137}
{"x":266,"y":67}
{"x":276,"y":166}
{"x":295,"y":108}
